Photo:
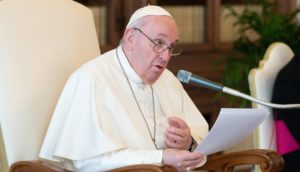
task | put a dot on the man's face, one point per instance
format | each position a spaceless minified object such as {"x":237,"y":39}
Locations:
{"x":148,"y":63}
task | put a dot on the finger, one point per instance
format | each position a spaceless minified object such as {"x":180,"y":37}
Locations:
{"x":175,"y":145}
{"x":176,"y":122}
{"x":188,"y":165}
{"x":181,"y":169}
{"x":169,"y":141}
{"x":192,"y":163}
{"x":181,"y":165}
{"x":183,"y":138}
{"x":169,"y":137}
{"x":172,"y":144}
{"x":177,"y":131}
{"x":175,"y":136}
{"x":194,"y":156}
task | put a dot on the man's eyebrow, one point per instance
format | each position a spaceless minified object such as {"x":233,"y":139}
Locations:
{"x":164,"y":35}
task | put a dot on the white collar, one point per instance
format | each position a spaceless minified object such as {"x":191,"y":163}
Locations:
{"x":132,"y":75}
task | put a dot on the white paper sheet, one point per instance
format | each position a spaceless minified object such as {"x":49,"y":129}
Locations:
{"x":231,"y":126}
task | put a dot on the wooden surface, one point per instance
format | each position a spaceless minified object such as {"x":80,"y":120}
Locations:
{"x":268,"y":161}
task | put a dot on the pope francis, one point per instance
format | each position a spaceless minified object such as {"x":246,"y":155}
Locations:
{"x":124,"y":107}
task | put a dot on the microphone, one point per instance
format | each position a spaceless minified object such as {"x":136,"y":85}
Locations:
{"x":189,"y":78}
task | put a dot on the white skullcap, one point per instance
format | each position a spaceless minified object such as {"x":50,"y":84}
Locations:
{"x":150,"y":10}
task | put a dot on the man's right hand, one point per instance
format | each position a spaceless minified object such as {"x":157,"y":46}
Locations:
{"x":182,"y":159}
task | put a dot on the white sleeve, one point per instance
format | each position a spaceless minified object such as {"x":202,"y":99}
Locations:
{"x":117,"y":159}
{"x":195,"y":120}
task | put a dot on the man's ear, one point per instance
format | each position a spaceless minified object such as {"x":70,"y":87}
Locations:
{"x":129,"y":37}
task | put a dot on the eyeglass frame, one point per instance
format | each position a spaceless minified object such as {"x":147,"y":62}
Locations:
{"x":160,"y":44}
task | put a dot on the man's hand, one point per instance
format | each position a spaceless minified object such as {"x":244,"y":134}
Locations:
{"x":178,"y":135}
{"x":182,"y":160}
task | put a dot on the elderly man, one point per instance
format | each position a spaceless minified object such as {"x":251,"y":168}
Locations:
{"x":124,"y":107}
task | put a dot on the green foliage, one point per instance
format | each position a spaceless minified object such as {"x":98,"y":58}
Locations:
{"x":270,"y":26}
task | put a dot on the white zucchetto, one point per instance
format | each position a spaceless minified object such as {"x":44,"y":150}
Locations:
{"x":150,"y":10}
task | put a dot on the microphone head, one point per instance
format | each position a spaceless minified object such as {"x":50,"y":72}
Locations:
{"x":184,"y":76}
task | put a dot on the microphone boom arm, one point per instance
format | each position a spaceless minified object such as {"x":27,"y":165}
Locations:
{"x":189,"y":78}
{"x":245,"y":96}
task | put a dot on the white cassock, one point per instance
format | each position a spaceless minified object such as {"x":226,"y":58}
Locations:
{"x":97,"y":125}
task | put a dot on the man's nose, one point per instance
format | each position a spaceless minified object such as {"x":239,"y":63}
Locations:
{"x":165,"y":55}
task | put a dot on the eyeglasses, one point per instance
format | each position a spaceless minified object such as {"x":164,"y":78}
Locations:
{"x":160,"y":46}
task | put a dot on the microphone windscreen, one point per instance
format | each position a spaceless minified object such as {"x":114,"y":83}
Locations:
{"x":184,"y":76}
